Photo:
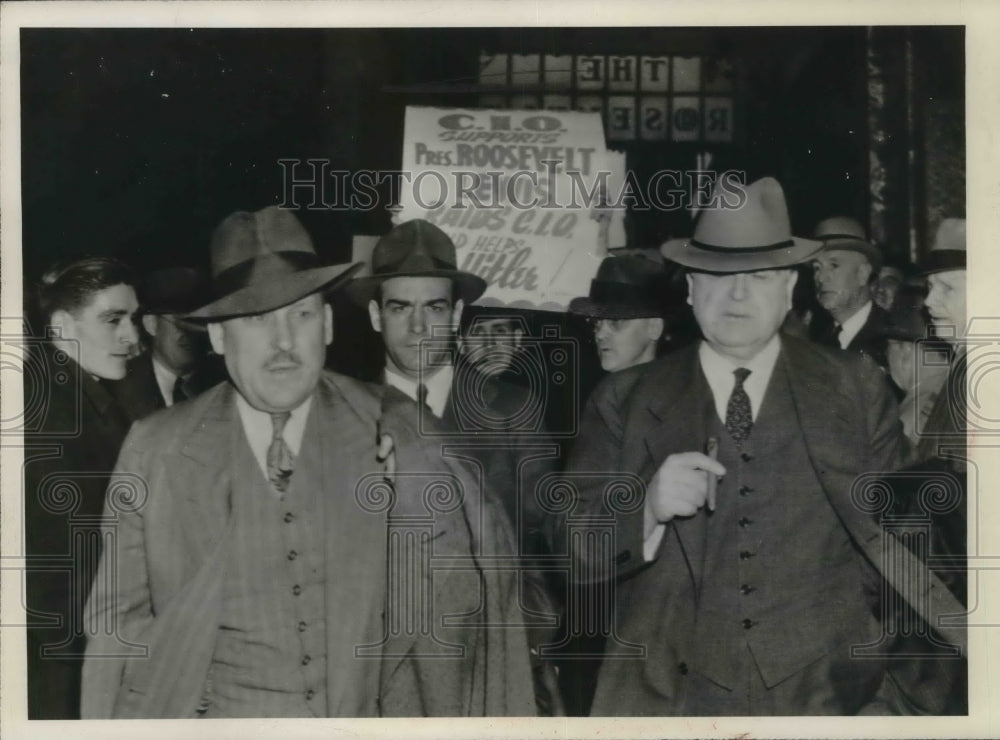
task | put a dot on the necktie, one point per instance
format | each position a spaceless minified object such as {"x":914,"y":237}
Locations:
{"x":837,"y":328}
{"x":422,"y":398}
{"x":739,"y":415}
{"x":279,"y":458}
{"x":178,"y":393}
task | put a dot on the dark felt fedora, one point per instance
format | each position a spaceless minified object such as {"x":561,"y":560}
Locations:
{"x":262,"y":261}
{"x":628,"y":286}
{"x":948,"y":251}
{"x":415,"y":248}
{"x":734,"y":236}
{"x":844,"y":233}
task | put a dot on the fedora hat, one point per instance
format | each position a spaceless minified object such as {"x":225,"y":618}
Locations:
{"x":262,"y":261}
{"x":628,"y":286}
{"x":948,"y":251}
{"x":754,"y":236}
{"x":415,"y":248}
{"x":843,"y":233}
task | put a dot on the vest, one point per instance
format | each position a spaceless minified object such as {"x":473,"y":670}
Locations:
{"x":782,"y":581}
{"x":270,"y":654}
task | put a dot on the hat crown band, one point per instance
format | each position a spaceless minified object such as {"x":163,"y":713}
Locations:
{"x":262,"y":269}
{"x":774,"y":247}
{"x":629,"y":294}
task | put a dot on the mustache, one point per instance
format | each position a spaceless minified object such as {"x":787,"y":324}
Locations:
{"x":282,"y":359}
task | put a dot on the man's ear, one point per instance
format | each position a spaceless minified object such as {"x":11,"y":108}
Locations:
{"x":793,"y":278}
{"x":327,"y":323}
{"x":375,"y":315}
{"x":456,"y":314}
{"x":64,"y":324}
{"x":689,"y":282}
{"x":654,"y":328}
{"x":150,"y":324}
{"x":216,"y":335}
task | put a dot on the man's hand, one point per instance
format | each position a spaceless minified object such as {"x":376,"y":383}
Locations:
{"x":680,"y":487}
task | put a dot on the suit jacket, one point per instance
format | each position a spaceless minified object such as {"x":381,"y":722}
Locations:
{"x":168,"y":511}
{"x":139,"y":394}
{"x":68,"y":461}
{"x":849,"y":424}
{"x":870,"y":339}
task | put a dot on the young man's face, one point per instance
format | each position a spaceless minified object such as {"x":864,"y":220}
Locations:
{"x":411,"y":307}
{"x":275,"y":358}
{"x":739,"y":313}
{"x":104,"y":329}
{"x":623,"y":343}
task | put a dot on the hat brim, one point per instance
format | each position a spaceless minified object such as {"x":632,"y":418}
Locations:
{"x":870,"y":251}
{"x":684,"y":253}
{"x":470,"y":287}
{"x":591,"y":309}
{"x":263,"y":297}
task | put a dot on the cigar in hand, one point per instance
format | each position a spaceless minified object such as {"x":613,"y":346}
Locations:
{"x":712,"y":450}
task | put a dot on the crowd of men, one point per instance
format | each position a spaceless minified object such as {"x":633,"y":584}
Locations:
{"x":262,"y":536}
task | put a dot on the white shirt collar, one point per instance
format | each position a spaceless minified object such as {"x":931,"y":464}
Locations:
{"x":259,"y":430}
{"x":850,"y":328}
{"x":165,"y":380}
{"x":718,"y":371}
{"x":438,"y":387}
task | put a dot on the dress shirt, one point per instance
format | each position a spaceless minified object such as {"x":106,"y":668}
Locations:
{"x":165,"y":380}
{"x":718,"y":370}
{"x":259,"y":430}
{"x":850,"y":328}
{"x":438,"y":387}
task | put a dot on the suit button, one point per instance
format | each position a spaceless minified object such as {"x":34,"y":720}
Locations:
{"x":302,"y":626}
{"x":746,"y":457}
{"x":305,"y":660}
{"x":288,"y":517}
{"x":744,"y":490}
{"x":296,"y":589}
{"x":745,"y":589}
{"x":746,"y":555}
{"x":744,"y":522}
{"x":292,"y":554}
{"x":682,"y":668}
{"x":310,"y":694}
{"x":748,"y":623}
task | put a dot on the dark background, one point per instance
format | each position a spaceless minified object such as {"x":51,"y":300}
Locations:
{"x":137,"y":142}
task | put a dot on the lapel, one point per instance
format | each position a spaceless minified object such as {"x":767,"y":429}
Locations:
{"x":828,"y":419}
{"x":198,"y":476}
{"x":675,"y":419}
{"x":344,"y":422}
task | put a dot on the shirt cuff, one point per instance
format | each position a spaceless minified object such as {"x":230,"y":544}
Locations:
{"x":652,"y":543}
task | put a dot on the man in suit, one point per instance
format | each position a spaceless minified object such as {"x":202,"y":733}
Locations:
{"x":845,"y":271}
{"x":415,"y":298}
{"x":749,"y":570}
{"x":176,"y":367}
{"x":251,"y":547}
{"x":625,"y":308}
{"x":90,"y":306}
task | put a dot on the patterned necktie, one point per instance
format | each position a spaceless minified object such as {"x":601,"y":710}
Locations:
{"x":279,"y":458}
{"x":739,"y":415}
{"x":178,"y":393}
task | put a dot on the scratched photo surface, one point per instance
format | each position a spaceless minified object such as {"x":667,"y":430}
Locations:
{"x":494,"y":372}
